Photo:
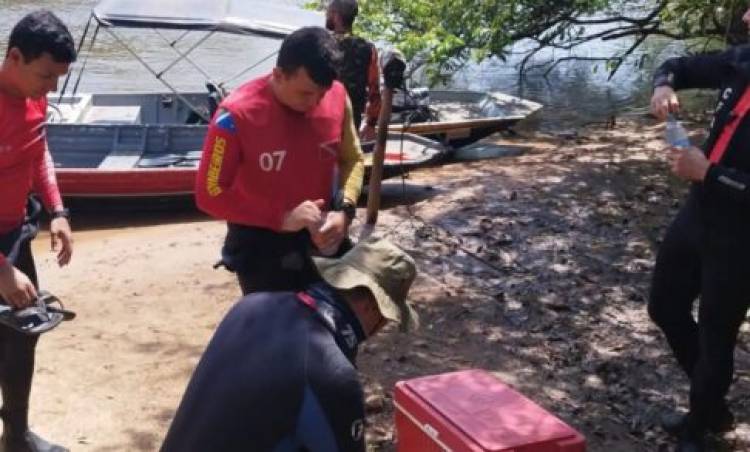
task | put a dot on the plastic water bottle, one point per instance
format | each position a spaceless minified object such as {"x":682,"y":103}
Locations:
{"x":675,"y":133}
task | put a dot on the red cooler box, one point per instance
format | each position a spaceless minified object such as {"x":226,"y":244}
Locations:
{"x":474,"y":411}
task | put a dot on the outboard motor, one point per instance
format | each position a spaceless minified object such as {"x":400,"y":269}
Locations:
{"x":394,"y":66}
{"x":413,"y":105}
{"x":408,"y":105}
{"x":215,"y":96}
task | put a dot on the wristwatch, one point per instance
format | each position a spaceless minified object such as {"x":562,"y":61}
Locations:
{"x":349,"y":209}
{"x":63,"y":213}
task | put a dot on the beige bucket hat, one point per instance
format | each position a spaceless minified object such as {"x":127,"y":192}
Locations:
{"x":382,"y":267}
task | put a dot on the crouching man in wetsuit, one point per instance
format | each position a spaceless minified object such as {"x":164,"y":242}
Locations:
{"x":283,"y":166}
{"x":279,"y":373}
{"x":40,"y":50}
{"x":705,"y":249}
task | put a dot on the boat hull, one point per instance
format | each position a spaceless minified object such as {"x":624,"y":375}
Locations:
{"x":404,"y":152}
{"x":143,"y":182}
{"x":149,"y":145}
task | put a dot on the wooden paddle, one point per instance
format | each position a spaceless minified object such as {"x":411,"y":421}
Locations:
{"x":393,"y":76}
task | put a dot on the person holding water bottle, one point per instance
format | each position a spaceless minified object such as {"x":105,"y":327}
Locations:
{"x":705,"y":248}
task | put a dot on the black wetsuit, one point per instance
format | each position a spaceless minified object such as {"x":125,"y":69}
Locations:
{"x":279,"y":376}
{"x":17,"y":349}
{"x":706,"y":246}
{"x":265,"y":260}
{"x":354,"y":72}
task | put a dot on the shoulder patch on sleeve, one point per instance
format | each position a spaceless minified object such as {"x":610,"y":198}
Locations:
{"x":225,"y":121}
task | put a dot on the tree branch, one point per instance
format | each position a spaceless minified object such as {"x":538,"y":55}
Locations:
{"x":625,"y":55}
{"x":613,"y":19}
{"x":577,"y":58}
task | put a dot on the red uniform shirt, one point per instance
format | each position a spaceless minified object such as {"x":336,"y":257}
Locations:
{"x":261,"y":159}
{"x":25,"y":162}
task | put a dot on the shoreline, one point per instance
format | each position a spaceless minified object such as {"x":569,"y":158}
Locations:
{"x":534,"y":267}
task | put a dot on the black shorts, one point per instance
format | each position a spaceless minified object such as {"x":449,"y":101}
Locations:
{"x":266,"y":260}
{"x":16,"y":244}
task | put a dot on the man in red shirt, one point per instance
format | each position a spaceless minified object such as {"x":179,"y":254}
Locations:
{"x":40,"y":50}
{"x":283,"y":166}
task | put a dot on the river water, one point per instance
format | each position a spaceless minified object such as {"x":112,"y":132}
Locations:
{"x":574,"y":93}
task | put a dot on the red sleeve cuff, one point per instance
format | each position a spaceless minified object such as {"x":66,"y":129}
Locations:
{"x":3,"y":259}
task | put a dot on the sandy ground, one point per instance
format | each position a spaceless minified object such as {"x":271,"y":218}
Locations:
{"x":147,"y":301}
{"x":534,"y":267}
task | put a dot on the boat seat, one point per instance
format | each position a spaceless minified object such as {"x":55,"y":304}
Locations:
{"x":119,"y":115}
{"x":121,"y":159}
{"x":69,"y":109}
{"x":129,"y":143}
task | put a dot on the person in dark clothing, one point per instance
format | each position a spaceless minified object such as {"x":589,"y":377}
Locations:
{"x":279,"y":375}
{"x":704,"y":248}
{"x":40,"y":50}
{"x":359,"y":70}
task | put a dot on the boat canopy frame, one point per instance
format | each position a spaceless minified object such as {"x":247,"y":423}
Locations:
{"x":261,"y":18}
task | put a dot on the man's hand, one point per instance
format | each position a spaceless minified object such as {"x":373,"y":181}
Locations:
{"x":15,"y":287}
{"x":306,"y":215}
{"x":332,"y":232}
{"x":689,"y":164}
{"x":664,"y":101}
{"x":367,"y":133}
{"x":62,"y":240}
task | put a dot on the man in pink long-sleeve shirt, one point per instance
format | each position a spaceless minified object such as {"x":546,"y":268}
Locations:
{"x":40,"y":50}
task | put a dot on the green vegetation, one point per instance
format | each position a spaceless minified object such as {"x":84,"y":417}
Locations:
{"x":444,"y":34}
